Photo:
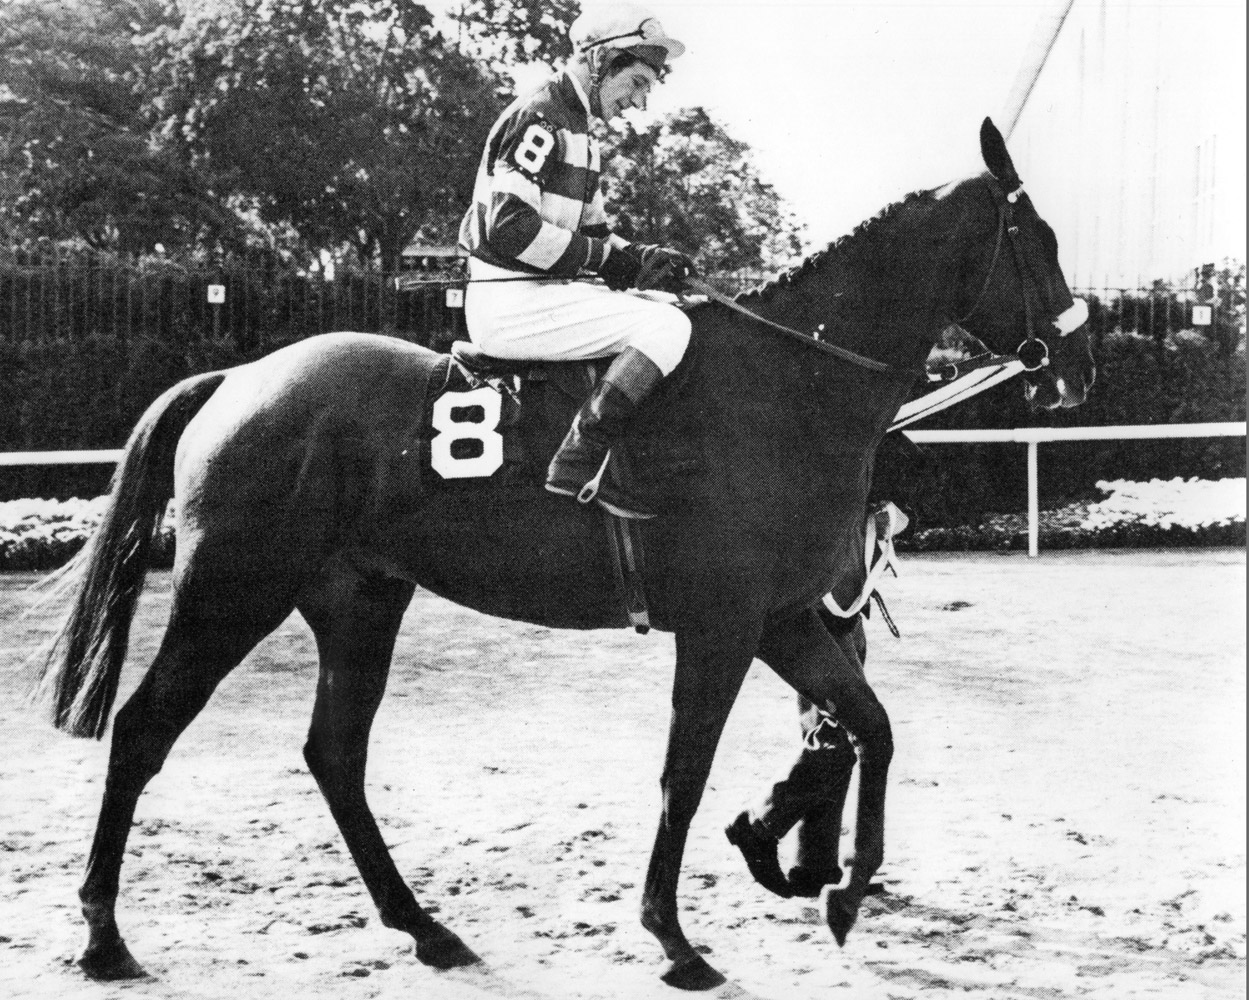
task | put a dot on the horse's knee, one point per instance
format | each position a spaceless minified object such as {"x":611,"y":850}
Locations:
{"x":681,"y":801}
{"x":337,"y":774}
{"x":871,"y":731}
{"x":877,"y":740}
{"x":320,"y":764}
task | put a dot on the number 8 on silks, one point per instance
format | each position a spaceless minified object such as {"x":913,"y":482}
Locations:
{"x":534,"y":147}
{"x":468,"y":444}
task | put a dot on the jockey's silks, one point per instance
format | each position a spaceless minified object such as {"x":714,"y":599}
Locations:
{"x":537,"y":207}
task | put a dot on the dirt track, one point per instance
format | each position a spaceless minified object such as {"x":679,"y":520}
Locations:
{"x":1067,"y":812}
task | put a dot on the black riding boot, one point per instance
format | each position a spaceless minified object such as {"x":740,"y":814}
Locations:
{"x":601,"y":421}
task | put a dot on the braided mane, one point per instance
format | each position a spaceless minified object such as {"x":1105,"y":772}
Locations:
{"x":864,"y":230}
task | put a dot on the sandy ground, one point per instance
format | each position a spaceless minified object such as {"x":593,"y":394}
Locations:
{"x":1067,"y":811}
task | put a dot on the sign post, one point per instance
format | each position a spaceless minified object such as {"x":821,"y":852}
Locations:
{"x":216,"y":297}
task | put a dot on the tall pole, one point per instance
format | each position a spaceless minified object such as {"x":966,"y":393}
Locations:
{"x":1043,"y":37}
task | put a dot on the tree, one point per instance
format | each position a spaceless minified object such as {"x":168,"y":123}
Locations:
{"x":685,"y":182}
{"x":79,"y":154}
{"x":356,"y":123}
{"x":507,"y":33}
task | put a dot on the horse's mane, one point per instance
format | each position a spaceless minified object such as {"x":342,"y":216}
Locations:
{"x":837,"y":248}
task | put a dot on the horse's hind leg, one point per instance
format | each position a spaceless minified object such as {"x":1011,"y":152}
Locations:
{"x":194,"y":656}
{"x":355,"y":620}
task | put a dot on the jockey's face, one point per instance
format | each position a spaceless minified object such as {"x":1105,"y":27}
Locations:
{"x":627,"y":88}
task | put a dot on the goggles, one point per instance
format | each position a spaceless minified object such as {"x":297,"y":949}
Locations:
{"x":647,"y":31}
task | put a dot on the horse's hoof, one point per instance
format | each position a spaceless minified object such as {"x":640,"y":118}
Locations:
{"x":808,"y":883}
{"x":692,"y":974}
{"x":840,"y":910}
{"x":759,"y":850}
{"x":439,"y":948}
{"x":110,"y":963}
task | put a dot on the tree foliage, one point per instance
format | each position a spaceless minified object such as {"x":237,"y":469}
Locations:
{"x":685,"y":182}
{"x":351,"y":122}
{"x":313,"y":125}
{"x":506,"y":33}
{"x":79,"y":154}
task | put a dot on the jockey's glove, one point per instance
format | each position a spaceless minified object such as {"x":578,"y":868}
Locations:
{"x":664,"y":269}
{"x":646,"y":266}
{"x":621,"y":268}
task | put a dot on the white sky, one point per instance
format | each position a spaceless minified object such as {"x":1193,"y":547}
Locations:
{"x":848,"y":106}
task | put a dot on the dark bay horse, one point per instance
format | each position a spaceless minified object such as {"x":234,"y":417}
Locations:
{"x":299,"y":486}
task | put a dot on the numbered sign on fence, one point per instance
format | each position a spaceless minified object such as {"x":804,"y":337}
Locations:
{"x":455,"y":298}
{"x":216,"y":294}
{"x":1201,"y":315}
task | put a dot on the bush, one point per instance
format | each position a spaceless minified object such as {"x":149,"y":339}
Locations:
{"x":86,"y":394}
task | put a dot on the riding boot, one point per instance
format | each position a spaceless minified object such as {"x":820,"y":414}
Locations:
{"x":601,"y":421}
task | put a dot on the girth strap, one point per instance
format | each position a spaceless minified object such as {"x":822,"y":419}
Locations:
{"x":894,"y":522}
{"x":627,"y":560}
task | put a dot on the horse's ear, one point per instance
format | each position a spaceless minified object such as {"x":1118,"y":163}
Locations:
{"x":996,"y":158}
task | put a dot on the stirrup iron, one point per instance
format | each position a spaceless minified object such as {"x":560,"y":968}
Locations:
{"x":590,"y":490}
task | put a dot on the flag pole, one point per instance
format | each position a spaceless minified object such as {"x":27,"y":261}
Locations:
{"x":1048,"y":25}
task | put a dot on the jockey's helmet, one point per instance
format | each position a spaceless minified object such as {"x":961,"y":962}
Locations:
{"x":604,"y":28}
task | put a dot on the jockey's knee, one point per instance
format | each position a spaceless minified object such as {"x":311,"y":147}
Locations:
{"x":665,"y":340}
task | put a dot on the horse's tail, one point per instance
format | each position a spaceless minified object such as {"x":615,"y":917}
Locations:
{"x":83,"y":662}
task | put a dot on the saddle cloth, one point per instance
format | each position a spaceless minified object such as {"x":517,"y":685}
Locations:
{"x":498,"y":422}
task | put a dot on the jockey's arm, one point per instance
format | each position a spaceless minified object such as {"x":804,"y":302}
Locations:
{"x":516,"y":230}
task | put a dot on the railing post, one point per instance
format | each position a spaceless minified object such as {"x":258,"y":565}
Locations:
{"x":1034,"y":516}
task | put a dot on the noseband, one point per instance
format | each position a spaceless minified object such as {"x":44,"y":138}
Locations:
{"x":1033,"y":353}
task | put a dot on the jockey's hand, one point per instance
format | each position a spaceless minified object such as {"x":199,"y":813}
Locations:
{"x":646,"y":266}
{"x":621,"y":268}
{"x":664,"y":269}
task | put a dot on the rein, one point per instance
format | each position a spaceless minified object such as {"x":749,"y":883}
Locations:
{"x":871,"y":364}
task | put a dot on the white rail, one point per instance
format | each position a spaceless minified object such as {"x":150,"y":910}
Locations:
{"x":1034,"y":436}
{"x":1031,"y":436}
{"x":103,"y":455}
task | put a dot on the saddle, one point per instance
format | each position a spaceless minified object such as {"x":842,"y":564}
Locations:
{"x":536,"y":402}
{"x":496,"y":423}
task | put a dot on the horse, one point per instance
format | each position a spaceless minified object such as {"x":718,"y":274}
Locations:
{"x":302,"y":484}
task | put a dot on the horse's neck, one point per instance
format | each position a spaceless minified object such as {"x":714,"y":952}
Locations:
{"x":877,"y":292}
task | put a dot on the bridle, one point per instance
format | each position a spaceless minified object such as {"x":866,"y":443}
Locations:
{"x":1032,"y":352}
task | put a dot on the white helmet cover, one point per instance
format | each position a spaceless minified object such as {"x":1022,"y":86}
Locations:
{"x":621,"y":26}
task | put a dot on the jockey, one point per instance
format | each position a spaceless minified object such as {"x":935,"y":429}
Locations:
{"x":537,"y":222}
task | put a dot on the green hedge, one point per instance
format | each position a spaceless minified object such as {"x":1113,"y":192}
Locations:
{"x":86,"y":394}
{"x":992,"y":538}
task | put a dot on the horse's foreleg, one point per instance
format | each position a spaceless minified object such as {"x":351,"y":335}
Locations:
{"x":194,"y":656}
{"x":355,"y":621}
{"x":709,"y":673}
{"x":801,"y":650}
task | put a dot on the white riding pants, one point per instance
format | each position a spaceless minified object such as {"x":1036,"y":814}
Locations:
{"x":561,"y":320}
